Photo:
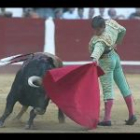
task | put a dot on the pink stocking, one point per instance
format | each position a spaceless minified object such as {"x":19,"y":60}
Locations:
{"x":108,"y":107}
{"x":129,"y":103}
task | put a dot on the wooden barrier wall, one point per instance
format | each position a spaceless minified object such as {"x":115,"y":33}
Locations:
{"x":20,"y":35}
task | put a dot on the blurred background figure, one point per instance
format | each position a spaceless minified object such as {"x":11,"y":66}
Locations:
{"x":8,"y":14}
{"x":102,"y":13}
{"x":124,"y":12}
{"x":91,"y":13}
{"x":58,"y":13}
{"x":80,"y":13}
{"x":136,"y":14}
{"x":44,"y":12}
{"x":31,"y":14}
{"x":112,"y":13}
{"x":13,"y":12}
{"x":70,"y":14}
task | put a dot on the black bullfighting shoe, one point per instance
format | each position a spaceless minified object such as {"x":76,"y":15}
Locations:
{"x":105,"y":123}
{"x":131,"y":120}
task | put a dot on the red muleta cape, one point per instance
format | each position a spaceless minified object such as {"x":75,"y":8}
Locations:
{"x":75,"y":90}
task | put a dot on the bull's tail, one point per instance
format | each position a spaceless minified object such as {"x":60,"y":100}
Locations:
{"x":14,"y":59}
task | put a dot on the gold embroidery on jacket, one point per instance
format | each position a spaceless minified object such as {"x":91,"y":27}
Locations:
{"x":105,"y":37}
{"x":113,"y":24}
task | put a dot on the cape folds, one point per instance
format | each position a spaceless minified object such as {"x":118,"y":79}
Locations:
{"x":75,"y":90}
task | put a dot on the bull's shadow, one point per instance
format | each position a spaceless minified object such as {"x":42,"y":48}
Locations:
{"x":30,"y":92}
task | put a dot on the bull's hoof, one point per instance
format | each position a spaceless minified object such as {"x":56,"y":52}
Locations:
{"x":1,"y":124}
{"x":27,"y":126}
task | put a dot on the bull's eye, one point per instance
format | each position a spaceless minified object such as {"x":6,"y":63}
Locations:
{"x":36,"y":83}
{"x":50,"y":67}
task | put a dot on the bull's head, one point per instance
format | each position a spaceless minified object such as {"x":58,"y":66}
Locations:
{"x":36,"y":81}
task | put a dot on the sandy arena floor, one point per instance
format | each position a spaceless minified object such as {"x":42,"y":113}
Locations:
{"x":48,"y":123}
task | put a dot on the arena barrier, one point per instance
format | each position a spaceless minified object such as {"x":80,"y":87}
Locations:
{"x":71,"y":38}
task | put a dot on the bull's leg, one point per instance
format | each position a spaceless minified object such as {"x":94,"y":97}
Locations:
{"x":30,"y":121}
{"x":8,"y":109}
{"x":22,"y":111}
{"x":61,"y":116}
{"x":36,"y":111}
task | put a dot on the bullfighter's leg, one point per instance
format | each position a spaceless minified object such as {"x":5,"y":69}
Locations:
{"x":123,"y":85}
{"x":22,"y":111}
{"x":61,"y":116}
{"x":11,"y":100}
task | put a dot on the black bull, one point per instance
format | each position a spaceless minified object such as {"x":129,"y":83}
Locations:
{"x":36,"y":64}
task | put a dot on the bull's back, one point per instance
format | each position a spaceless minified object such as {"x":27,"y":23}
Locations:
{"x":57,"y":61}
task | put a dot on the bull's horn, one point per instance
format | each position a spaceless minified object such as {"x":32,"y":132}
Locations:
{"x":9,"y":58}
{"x":33,"y":79}
{"x":3,"y":63}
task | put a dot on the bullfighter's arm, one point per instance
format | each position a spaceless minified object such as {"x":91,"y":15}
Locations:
{"x":122,"y":32}
{"x":98,"y":50}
